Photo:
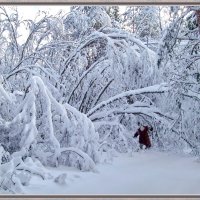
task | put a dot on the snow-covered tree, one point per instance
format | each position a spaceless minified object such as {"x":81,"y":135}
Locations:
{"x":82,"y":20}
{"x":178,"y":61}
{"x":143,"y":21}
{"x":114,"y":13}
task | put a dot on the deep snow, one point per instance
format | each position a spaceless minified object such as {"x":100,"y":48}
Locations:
{"x":145,"y":172}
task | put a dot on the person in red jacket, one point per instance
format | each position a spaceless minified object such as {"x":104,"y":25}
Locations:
{"x":144,"y":139}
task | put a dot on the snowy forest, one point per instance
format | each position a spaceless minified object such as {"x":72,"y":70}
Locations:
{"x":74,"y":85}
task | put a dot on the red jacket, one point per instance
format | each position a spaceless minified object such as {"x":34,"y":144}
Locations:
{"x":143,"y":136}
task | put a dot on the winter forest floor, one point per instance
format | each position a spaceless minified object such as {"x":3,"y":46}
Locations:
{"x":146,"y":172}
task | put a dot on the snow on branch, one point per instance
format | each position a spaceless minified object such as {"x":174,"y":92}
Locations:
{"x":148,"y":111}
{"x":160,"y":88}
{"x":89,"y":40}
{"x":112,"y":39}
{"x":88,"y":162}
{"x":17,"y":173}
{"x":29,"y":69}
{"x":131,"y":38}
{"x":84,"y":75}
{"x":4,"y":94}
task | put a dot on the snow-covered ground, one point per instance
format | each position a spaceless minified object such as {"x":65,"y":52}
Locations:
{"x":147,"y":172}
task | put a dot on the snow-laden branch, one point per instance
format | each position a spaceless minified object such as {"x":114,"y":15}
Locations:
{"x":89,"y":163}
{"x":4,"y":94}
{"x":160,"y":88}
{"x":31,"y":171}
{"x":84,"y":75}
{"x":28,"y":69}
{"x":137,"y":110}
{"x":35,"y":29}
{"x":131,"y":38}
{"x":111,"y":38}
{"x":39,"y":87}
{"x":102,"y":91}
{"x":92,"y":38}
{"x":12,"y":31}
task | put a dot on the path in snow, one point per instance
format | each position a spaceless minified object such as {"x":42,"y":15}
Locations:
{"x":143,"y":173}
